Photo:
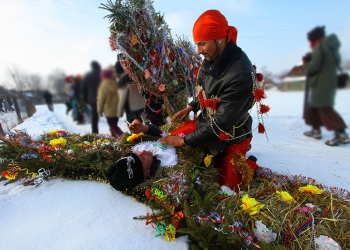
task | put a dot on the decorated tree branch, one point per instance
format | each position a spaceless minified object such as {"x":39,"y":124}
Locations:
{"x":152,"y":58}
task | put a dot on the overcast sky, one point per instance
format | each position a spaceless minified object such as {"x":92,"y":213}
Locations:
{"x":39,"y":36}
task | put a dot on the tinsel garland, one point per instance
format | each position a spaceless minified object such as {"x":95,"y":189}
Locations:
{"x":152,"y":58}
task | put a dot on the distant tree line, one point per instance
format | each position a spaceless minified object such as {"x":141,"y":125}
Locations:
{"x":33,"y":85}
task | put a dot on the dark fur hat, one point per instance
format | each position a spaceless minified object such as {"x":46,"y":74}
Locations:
{"x":126,"y":173}
{"x":316,"y":33}
{"x":119,"y":68}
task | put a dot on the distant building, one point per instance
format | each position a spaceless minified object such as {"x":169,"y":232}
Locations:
{"x":294,"y":80}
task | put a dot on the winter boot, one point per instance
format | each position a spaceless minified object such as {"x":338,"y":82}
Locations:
{"x":340,"y":138}
{"x":315,"y":133}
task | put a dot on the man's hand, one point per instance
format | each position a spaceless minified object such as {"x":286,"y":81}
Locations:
{"x":175,"y":141}
{"x":182,"y":114}
{"x":137,"y":127}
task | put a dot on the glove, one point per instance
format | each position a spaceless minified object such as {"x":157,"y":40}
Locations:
{"x":307,"y":58}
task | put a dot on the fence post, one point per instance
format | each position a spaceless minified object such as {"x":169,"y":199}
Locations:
{"x":1,"y":130}
{"x":18,"y":111}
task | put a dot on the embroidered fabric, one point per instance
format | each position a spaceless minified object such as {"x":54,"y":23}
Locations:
{"x":166,"y":154}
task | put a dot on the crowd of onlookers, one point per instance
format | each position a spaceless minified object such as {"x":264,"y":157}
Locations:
{"x":6,"y":104}
{"x":110,"y":92}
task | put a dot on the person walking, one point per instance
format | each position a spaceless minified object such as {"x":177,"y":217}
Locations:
{"x":90,"y":84}
{"x":107,"y":101}
{"x":321,"y":69}
{"x":48,"y":99}
{"x":225,"y":87}
{"x":131,"y":99}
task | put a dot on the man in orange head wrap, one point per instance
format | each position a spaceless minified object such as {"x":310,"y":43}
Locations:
{"x":225,"y":86}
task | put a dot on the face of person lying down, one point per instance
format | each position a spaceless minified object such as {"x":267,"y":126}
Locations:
{"x":146,"y":158}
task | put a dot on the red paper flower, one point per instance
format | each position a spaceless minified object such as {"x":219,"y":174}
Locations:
{"x":148,"y":193}
{"x":261,"y":128}
{"x":111,"y":43}
{"x":264,"y":109}
{"x":259,"y":94}
{"x":139,"y":57}
{"x":260,"y":77}
{"x":153,"y":52}
{"x":223,"y":136}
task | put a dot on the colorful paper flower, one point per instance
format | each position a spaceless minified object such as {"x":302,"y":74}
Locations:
{"x":60,"y":142}
{"x":207,"y":160}
{"x":251,"y":205}
{"x":285,"y":196}
{"x":225,"y":190}
{"x":10,"y":175}
{"x":161,"y":87}
{"x":262,"y":233}
{"x":133,"y":136}
{"x":326,"y":243}
{"x":58,"y":132}
{"x":311,"y":189}
{"x":134,"y":40}
{"x":304,"y":209}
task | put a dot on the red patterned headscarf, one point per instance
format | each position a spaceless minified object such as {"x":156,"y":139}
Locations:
{"x":212,"y":25}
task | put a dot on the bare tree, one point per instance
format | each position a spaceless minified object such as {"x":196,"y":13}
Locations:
{"x":56,"y":82}
{"x":18,"y":77}
{"x":283,"y":74}
{"x":34,"y":82}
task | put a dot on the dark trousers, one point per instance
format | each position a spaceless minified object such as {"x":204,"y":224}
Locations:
{"x":50,"y":106}
{"x":113,"y":126}
{"x":327,"y":117}
{"x":94,"y":118}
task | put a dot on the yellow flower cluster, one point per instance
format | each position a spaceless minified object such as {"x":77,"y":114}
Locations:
{"x":133,"y":136}
{"x":60,"y":142}
{"x":251,"y":205}
{"x":285,"y":196}
{"x":311,"y":189}
{"x":207,"y":160}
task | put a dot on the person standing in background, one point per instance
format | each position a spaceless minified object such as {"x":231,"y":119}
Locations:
{"x":78,"y":104}
{"x":48,"y":99}
{"x":131,"y":100}
{"x":90,"y":84}
{"x":107,"y":101}
{"x":321,"y":69}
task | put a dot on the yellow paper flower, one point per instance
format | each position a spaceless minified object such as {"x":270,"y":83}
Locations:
{"x":285,"y":196}
{"x":207,"y":160}
{"x":61,"y":142}
{"x":53,"y":132}
{"x":311,"y":189}
{"x":133,"y":136}
{"x":251,"y":205}
{"x":134,"y":40}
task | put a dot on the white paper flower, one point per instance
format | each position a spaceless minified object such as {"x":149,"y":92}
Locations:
{"x":262,"y":233}
{"x":326,"y":243}
{"x":225,"y":190}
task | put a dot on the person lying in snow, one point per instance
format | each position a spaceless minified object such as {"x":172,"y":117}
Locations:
{"x":132,"y":169}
